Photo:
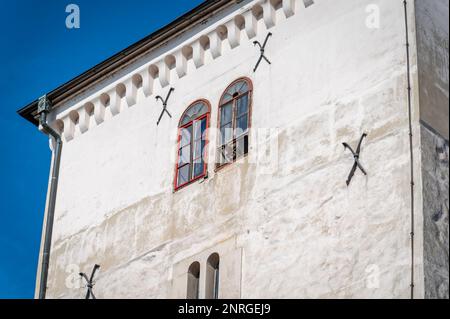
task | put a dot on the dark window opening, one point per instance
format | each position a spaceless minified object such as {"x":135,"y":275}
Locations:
{"x":193,"y":281}
{"x":234,"y":122}
{"x":212,"y":277}
{"x":192,"y":142}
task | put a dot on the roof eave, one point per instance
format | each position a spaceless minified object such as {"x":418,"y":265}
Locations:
{"x":126,"y":56}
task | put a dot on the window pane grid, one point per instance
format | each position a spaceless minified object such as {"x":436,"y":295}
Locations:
{"x":191,"y":164}
{"x":235,"y":143}
{"x":183,"y":174}
{"x":226,"y":153}
{"x":242,"y":125}
{"x":225,"y":124}
{"x":185,"y":154}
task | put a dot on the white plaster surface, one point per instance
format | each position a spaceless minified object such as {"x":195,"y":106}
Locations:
{"x":300,"y":231}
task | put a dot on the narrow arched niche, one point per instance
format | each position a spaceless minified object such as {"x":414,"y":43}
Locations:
{"x":212,"y":277}
{"x":193,"y":281}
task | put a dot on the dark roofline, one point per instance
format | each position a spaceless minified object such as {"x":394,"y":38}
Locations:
{"x":128,"y":55}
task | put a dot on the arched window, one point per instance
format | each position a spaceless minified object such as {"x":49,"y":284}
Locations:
{"x":234,"y":121}
{"x":192,"y":139}
{"x":212,"y":277}
{"x":193,"y":279}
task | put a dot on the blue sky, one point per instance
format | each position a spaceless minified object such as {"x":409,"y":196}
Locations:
{"x":37,"y":54}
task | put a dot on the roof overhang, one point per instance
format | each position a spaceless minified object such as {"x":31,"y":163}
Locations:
{"x":125,"y":57}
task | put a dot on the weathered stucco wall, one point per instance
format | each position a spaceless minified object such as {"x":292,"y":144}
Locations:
{"x":292,"y":229}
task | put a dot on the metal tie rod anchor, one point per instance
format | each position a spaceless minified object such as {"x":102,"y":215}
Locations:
{"x":90,"y":282}
{"x":261,"y":50}
{"x":356,"y":157}
{"x":164,"y":103}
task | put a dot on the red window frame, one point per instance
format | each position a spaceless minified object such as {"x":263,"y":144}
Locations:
{"x":205,"y":149}
{"x":234,"y":118}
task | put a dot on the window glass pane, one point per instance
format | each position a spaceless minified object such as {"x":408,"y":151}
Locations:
{"x":185,"y":155}
{"x":183,"y":174}
{"x":198,"y":168}
{"x":186,"y":119}
{"x":239,"y":88}
{"x":242,"y":87}
{"x":221,"y":156}
{"x":232,"y":90}
{"x":226,"y":133}
{"x":197,"y":149}
{"x":199,"y":129}
{"x":225,"y":154}
{"x":226,"y":97}
{"x":226,"y":112}
{"x":242,"y":146}
{"x":191,"y":111}
{"x":241,"y":124}
{"x":202,"y":110}
{"x":195,"y":111}
{"x":203,"y":148}
{"x":203,"y":129}
{"x":236,"y":89}
{"x":185,"y":136}
{"x":199,"y":139}
{"x":242,"y":105}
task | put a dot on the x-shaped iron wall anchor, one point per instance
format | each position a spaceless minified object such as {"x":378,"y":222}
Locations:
{"x":90,"y":282}
{"x":164,"y":102}
{"x":356,"y":157}
{"x":261,"y":50}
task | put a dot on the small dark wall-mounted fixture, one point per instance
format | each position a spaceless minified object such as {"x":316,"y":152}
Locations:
{"x":261,"y":51}
{"x":90,"y":282}
{"x":164,"y":102}
{"x":356,"y":157}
